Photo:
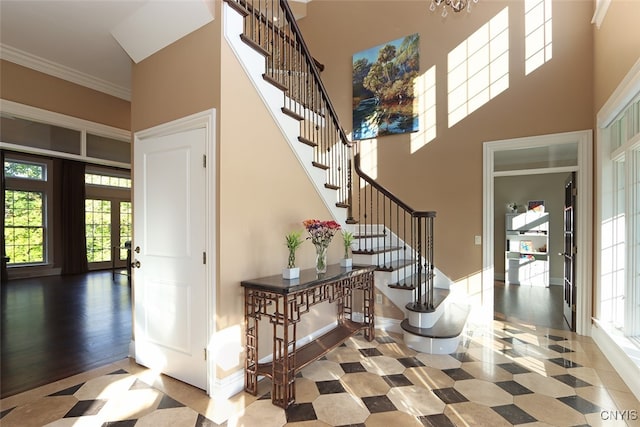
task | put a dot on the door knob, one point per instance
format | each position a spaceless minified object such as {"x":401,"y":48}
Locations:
{"x":135,"y":264}
{"x":137,"y":249}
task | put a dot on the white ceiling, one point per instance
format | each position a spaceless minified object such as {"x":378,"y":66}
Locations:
{"x":76,"y":38}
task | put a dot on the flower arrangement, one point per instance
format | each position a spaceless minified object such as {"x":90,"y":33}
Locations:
{"x":321,"y":233}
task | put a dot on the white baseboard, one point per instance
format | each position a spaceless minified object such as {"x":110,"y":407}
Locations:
{"x":614,"y":350}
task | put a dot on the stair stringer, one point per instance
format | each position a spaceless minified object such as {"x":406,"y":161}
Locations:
{"x":253,"y":63}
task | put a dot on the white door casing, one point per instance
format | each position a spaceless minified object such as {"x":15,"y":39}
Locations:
{"x":173,"y":243}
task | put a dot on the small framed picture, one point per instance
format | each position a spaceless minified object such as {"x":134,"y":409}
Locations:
{"x":536,"y":205}
{"x":526,"y":246}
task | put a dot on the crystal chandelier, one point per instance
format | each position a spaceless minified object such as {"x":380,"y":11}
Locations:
{"x":455,"y":5}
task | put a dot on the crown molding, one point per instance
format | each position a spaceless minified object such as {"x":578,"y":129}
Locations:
{"x":51,"y":68}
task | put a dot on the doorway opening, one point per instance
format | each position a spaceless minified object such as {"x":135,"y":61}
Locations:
{"x":534,"y":157}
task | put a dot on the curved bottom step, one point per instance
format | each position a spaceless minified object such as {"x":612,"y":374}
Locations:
{"x":443,"y":337}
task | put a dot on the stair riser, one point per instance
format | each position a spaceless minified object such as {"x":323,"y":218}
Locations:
{"x":431,"y":345}
{"x":425,"y":320}
{"x":377,"y":259}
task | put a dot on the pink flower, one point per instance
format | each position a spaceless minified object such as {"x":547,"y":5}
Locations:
{"x":321,"y":232}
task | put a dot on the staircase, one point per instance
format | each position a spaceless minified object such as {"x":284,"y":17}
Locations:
{"x":389,"y":234}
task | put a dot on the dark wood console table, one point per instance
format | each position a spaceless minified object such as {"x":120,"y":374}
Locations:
{"x":282,"y":302}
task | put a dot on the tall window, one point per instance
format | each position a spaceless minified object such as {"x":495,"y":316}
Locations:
{"x":619,"y":296}
{"x":107,"y":216}
{"x":25,"y":212}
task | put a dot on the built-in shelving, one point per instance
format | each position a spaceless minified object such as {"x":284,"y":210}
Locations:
{"x":526,"y":248}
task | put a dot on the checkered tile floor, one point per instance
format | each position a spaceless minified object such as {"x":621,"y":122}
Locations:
{"x":503,"y":375}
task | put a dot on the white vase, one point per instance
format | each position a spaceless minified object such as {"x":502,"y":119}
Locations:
{"x":291,"y":273}
{"x":346,"y":262}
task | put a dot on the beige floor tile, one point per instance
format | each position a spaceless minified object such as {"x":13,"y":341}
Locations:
{"x":549,"y":410}
{"x":340,"y":409}
{"x":363,"y":384}
{"x":323,"y":370}
{"x":306,"y":390}
{"x":544,"y":385}
{"x":483,"y":392}
{"x":344,"y":355}
{"x":396,"y":350}
{"x":395,"y":418}
{"x":430,"y":378}
{"x":260,"y":413}
{"x":474,"y":414}
{"x":132,"y":404}
{"x":589,"y":375}
{"x":487,"y":371}
{"x":598,"y":396}
{"x":415,"y":400}
{"x":314,"y":423}
{"x":439,"y":361}
{"x":105,"y":387}
{"x":174,"y":417}
{"x":488,"y":355}
{"x":541,"y":366}
{"x":383,"y":365}
{"x":39,"y":412}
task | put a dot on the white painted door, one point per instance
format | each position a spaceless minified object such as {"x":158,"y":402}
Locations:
{"x":169,"y":243}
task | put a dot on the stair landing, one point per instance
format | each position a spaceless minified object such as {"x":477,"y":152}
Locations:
{"x":443,"y":337}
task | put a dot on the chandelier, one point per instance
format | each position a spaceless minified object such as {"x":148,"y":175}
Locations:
{"x":455,"y":5}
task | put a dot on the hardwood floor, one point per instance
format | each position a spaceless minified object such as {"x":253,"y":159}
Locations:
{"x":55,"y":327}
{"x":531,"y":305}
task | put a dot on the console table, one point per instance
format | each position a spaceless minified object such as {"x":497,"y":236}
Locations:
{"x":282,"y":302}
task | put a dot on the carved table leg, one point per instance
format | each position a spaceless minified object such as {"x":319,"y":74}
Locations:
{"x":251,"y":334}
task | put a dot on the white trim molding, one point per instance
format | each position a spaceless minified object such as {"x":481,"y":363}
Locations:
{"x":17,"y":56}
{"x":601,"y":11}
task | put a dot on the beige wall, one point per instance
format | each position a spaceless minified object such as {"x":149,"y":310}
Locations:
{"x":446,"y":174}
{"x":30,"y":87}
{"x":179,"y":80}
{"x":616,"y":48}
{"x":520,"y":189}
{"x":264,"y":194}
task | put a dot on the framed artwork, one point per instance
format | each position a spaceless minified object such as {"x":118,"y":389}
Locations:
{"x":536,"y":205}
{"x":383,"y":89}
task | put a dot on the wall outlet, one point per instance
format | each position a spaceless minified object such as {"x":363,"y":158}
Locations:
{"x":378,"y":298}
{"x":478,"y":240}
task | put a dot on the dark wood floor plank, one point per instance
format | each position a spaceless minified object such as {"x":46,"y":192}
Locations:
{"x":55,"y":327}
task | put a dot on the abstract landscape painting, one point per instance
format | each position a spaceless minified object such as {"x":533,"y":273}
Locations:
{"x":383,"y":89}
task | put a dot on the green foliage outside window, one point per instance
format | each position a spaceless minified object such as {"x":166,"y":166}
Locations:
{"x":98,"y":230}
{"x":24,"y":226}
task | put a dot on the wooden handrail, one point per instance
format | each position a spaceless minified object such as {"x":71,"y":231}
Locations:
{"x":389,"y":194}
{"x":316,"y":73}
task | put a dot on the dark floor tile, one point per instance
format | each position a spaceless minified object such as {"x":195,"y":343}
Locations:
{"x":6,"y":411}
{"x":329,"y":387}
{"x":450,"y":395}
{"x":514,"y":368}
{"x":167,"y":402}
{"x":565,"y":362}
{"x":385,"y":339}
{"x":118,"y":372}
{"x":580,"y":404}
{"x":203,"y":421}
{"x":85,"y":407}
{"x":300,"y":412}
{"x":437,"y":420}
{"x":555,"y":338}
{"x":511,"y":352}
{"x":513,"y":331}
{"x":122,"y":423}
{"x":378,"y":404}
{"x":458,"y":374}
{"x":139,"y":385}
{"x":513,"y":388}
{"x":572,"y":381}
{"x":462,"y":357}
{"x":67,"y":391}
{"x":397,"y":380}
{"x":559,"y":349}
{"x":410,"y":362}
{"x":514,"y":414}
{"x":369,"y":352}
{"x":352,"y":367}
